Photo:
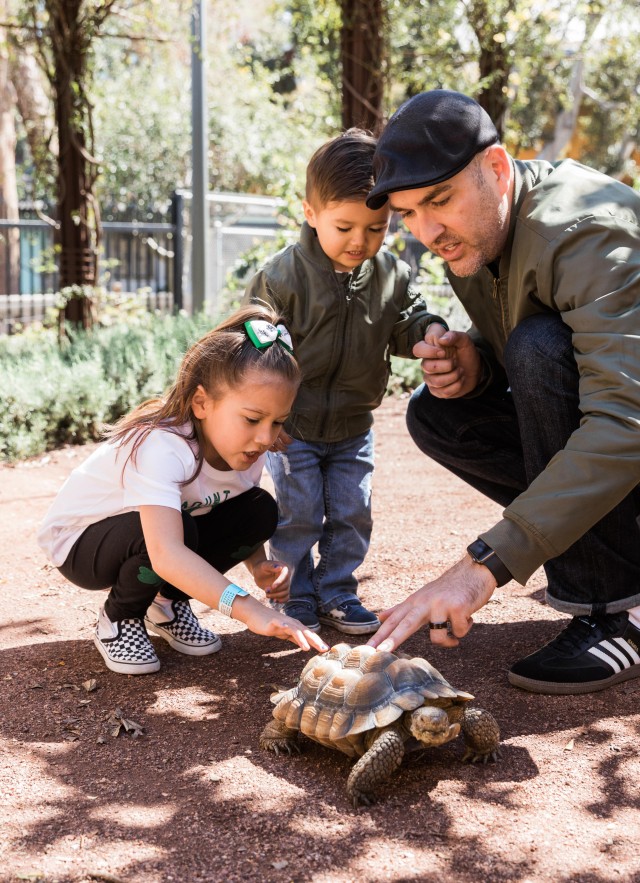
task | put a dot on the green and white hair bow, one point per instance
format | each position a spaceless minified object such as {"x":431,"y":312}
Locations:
{"x":263,"y":334}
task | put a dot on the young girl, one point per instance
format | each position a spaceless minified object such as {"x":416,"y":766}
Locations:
{"x":171,"y":501}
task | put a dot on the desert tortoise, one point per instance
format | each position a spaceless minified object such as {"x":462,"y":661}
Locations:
{"x":367,"y":704}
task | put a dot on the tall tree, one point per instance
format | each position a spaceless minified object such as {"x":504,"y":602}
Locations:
{"x":64,"y":31}
{"x":9,"y":253}
{"x":362,"y":59}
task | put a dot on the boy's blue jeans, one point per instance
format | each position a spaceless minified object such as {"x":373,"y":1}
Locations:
{"x":323,"y":492}
{"x":499,"y":441}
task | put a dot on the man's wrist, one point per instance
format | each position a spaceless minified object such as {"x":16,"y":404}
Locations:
{"x":483,"y":554}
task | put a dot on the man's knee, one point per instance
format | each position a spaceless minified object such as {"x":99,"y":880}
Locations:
{"x":535,"y":341}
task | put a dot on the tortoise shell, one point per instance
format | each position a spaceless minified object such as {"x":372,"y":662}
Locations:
{"x":348,"y":691}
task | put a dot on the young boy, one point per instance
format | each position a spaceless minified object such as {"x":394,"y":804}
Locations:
{"x":349,"y":307}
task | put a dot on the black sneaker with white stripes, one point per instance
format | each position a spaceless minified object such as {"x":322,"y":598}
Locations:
{"x":590,"y":654}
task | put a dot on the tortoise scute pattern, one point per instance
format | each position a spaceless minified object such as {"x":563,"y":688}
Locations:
{"x":367,"y":704}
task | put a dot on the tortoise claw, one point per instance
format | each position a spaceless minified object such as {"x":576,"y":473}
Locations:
{"x":360,"y":799}
{"x":471,"y":756}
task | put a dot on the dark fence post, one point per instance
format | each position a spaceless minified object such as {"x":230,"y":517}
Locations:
{"x":177,"y":219}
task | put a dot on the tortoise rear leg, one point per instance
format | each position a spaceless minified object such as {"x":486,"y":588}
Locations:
{"x":481,"y":736}
{"x":380,"y":761}
{"x":277,"y":737}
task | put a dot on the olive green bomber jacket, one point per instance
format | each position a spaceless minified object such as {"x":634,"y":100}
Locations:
{"x":574,"y":248}
{"x":344,"y":333}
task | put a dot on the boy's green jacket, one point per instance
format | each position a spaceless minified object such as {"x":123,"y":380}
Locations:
{"x":573,"y":249}
{"x":344,"y":332}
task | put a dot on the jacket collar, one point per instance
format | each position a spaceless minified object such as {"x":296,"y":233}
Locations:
{"x":526,"y":174}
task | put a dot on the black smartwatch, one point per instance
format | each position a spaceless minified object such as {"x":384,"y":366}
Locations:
{"x":483,"y":554}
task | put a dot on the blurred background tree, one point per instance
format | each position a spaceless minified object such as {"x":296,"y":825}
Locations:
{"x":561,"y":78}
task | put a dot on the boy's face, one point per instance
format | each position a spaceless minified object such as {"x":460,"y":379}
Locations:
{"x":348,"y":231}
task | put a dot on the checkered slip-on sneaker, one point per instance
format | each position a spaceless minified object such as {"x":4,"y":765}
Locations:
{"x":590,"y":654}
{"x":176,"y":622}
{"x":125,"y":646}
{"x":352,"y":618}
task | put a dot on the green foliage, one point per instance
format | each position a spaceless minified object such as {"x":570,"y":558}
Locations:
{"x":406,"y":376}
{"x":64,"y":395}
{"x":57,"y":395}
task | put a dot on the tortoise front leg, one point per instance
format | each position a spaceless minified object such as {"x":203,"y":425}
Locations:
{"x":277,"y":737}
{"x":383,"y":758}
{"x":481,"y":736}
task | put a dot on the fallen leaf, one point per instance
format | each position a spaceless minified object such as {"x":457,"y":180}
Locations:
{"x":90,"y":685}
{"x":118,"y":722}
{"x":279,"y":865}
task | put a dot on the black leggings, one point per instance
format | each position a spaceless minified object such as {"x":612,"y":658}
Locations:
{"x":113,"y":554}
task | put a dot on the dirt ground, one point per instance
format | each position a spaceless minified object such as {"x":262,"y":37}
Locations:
{"x":183,"y":793}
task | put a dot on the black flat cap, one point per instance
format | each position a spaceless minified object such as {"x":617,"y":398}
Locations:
{"x":430,"y":138}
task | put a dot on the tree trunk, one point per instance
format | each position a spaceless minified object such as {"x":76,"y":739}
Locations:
{"x":362,"y":56}
{"x":34,"y":104}
{"x":9,"y":239}
{"x":76,"y":230}
{"x":488,"y":22}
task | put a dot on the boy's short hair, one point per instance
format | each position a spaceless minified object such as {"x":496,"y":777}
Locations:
{"x":341,"y":169}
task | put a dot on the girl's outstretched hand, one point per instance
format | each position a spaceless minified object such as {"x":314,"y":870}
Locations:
{"x":274,"y":578}
{"x":263,"y":620}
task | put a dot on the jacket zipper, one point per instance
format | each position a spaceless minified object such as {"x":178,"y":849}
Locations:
{"x":498,"y":300}
{"x":347,"y":299}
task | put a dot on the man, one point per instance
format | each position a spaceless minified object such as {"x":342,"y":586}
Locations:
{"x":538,"y":406}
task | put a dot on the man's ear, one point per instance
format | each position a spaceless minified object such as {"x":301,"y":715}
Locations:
{"x":496,"y":160}
{"x":199,"y":402}
{"x":309,"y":213}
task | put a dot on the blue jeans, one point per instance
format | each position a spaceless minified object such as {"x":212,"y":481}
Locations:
{"x":323,"y":492}
{"x":499,"y":441}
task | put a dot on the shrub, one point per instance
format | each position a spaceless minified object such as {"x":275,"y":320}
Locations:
{"x":64,"y":394}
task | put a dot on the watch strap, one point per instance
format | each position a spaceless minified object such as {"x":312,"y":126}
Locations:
{"x":483,"y":554}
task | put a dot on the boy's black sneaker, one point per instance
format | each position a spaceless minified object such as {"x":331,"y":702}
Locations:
{"x":304,"y":613}
{"x":352,"y":618}
{"x":590,"y":654}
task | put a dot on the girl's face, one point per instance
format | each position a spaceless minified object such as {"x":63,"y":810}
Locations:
{"x":242,"y":423}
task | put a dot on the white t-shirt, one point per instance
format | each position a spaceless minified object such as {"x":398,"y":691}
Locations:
{"x":99,"y":488}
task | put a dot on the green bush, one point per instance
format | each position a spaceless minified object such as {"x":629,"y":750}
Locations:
{"x":64,"y":393}
{"x":56,"y":394}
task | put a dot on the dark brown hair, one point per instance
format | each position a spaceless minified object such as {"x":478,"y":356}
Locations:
{"x":342,"y":169}
{"x":218,"y":361}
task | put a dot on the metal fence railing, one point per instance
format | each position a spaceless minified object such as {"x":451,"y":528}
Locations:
{"x":147,"y":259}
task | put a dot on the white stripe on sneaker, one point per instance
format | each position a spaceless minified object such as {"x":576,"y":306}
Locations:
{"x":608,"y":659}
{"x":628,"y":648}
{"x":618,"y":657}
{"x":617,"y":652}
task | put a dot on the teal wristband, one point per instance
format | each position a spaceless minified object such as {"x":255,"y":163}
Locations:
{"x":228,"y":597}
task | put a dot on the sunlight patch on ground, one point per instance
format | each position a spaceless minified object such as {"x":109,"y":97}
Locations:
{"x":243,"y":780}
{"x":384,"y":860}
{"x":190,"y":703}
{"x":134,"y":814}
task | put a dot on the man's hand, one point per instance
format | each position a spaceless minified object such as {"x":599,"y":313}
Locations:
{"x":451,"y":598}
{"x":451,"y":364}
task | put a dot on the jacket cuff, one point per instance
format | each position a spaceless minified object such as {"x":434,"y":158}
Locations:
{"x":516,"y":548}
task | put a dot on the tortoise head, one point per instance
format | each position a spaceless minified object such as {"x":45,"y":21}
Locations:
{"x":431,"y":726}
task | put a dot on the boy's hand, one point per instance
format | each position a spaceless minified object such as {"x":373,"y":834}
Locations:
{"x":274,"y":578}
{"x":281,"y":443}
{"x":451,"y":364}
